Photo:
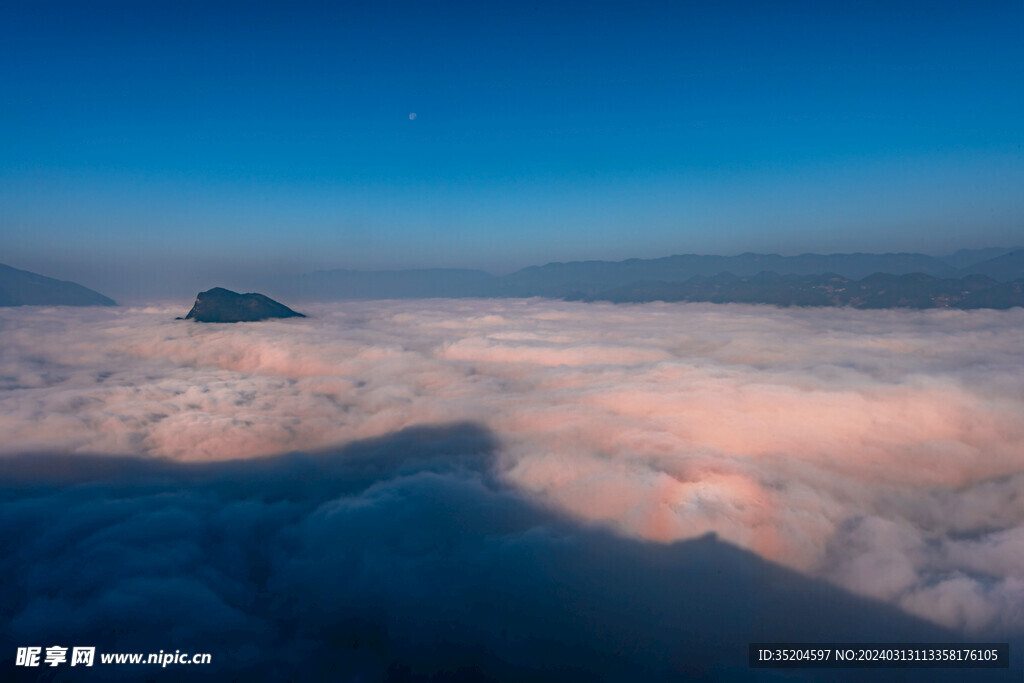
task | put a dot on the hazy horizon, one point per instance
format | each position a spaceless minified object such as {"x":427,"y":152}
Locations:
{"x":138,"y":283}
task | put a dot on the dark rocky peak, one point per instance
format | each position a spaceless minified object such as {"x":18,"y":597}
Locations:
{"x":219,"y":305}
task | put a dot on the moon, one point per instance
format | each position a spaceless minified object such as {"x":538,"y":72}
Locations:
{"x":412,"y":116}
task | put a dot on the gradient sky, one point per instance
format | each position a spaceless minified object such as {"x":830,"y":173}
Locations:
{"x":236,"y":137}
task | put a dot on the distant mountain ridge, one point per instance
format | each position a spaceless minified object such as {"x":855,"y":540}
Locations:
{"x":559,"y":279}
{"x":880,"y":290}
{"x":23,"y":288}
{"x":965,"y":258}
{"x":1009,"y":266}
{"x":585,"y":279}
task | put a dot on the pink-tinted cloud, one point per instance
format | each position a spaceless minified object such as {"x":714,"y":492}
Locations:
{"x":866,"y":447}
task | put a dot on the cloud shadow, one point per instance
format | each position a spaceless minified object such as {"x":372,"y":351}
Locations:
{"x":405,"y":557}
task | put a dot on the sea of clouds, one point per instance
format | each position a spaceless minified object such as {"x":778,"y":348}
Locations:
{"x":879,"y":451}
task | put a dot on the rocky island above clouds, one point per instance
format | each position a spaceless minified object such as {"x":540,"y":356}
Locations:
{"x":219,"y":305}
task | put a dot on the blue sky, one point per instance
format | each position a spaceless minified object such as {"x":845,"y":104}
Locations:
{"x":277,"y":136}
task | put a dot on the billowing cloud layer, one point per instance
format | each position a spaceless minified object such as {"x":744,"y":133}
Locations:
{"x":880,"y":450}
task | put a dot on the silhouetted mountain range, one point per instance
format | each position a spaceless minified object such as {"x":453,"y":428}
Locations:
{"x":559,"y":279}
{"x":649,"y":279}
{"x":965,"y":258}
{"x":1004,"y":268}
{"x":22,"y":288}
{"x":881,"y":290}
